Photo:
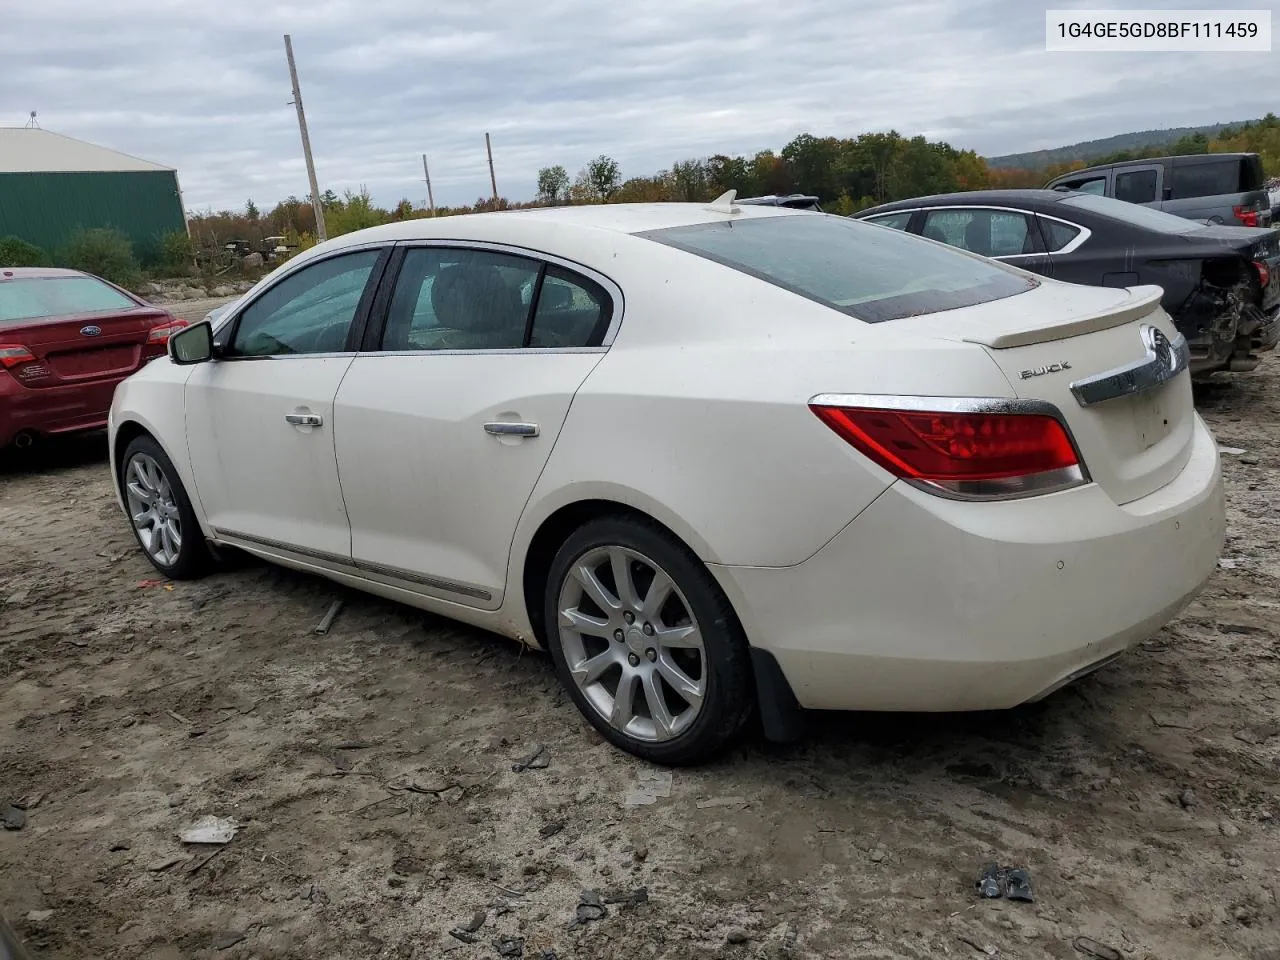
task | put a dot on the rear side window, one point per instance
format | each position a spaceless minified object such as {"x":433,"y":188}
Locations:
{"x":1211,"y":178}
{"x":1095,"y":185}
{"x":992,"y":233}
{"x":34,"y":298}
{"x":1058,"y":234}
{"x":572,"y":311}
{"x":869,"y":274}
{"x":1136,"y":186}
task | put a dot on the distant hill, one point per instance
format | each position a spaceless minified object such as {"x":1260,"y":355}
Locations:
{"x":1092,"y":149}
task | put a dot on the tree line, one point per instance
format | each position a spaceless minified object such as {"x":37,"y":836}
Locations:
{"x":845,"y":174}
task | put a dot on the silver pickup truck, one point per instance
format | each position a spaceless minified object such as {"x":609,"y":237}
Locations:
{"x":1226,"y":188}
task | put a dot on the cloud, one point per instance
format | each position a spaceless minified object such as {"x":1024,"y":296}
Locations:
{"x":205,"y":88}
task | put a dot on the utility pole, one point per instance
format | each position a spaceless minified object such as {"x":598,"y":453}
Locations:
{"x":430,"y":199}
{"x":492,"y":180}
{"x":316,"y":205}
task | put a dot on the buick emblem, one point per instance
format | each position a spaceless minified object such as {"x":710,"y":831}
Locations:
{"x":90,"y":331}
{"x":1160,"y":346}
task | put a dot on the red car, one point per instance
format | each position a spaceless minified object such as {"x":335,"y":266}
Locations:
{"x":66,"y":339}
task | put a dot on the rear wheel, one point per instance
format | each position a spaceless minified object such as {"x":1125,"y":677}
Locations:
{"x":646,"y":643}
{"x":160,"y":512}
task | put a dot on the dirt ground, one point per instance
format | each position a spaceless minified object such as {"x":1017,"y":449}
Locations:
{"x":371,"y":771}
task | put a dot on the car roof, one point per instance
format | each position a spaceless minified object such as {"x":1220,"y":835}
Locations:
{"x":1183,"y":160}
{"x":973,"y":198}
{"x":44,"y":273}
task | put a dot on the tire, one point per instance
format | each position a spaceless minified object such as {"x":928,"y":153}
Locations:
{"x":172,"y":539}
{"x":646,"y":639}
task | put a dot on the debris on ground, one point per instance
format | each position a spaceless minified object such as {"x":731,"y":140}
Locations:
{"x":228,"y":940}
{"x":1187,"y":798}
{"x":1258,"y":734}
{"x":209,"y":830}
{"x":39,"y":916}
{"x":548,"y":830}
{"x":537,"y":760}
{"x":510,"y":947}
{"x":1017,"y":885}
{"x":988,"y":882}
{"x":590,"y":907}
{"x":626,"y":899}
{"x":1099,"y":951}
{"x":326,"y":621}
{"x":736,"y":936}
{"x":1231,"y":451}
{"x":13,"y":817}
{"x":710,"y":803}
{"x":651,"y":784}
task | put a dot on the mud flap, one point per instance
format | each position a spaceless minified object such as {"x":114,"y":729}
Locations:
{"x":781,"y":715}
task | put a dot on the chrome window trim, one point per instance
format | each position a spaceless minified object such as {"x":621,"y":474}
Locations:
{"x":1160,"y":365}
{"x":1076,"y":242}
{"x":1051,"y":481}
{"x":529,"y":253}
{"x":364,"y":566}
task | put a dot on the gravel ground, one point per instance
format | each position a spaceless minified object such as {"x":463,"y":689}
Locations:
{"x":371,"y":772}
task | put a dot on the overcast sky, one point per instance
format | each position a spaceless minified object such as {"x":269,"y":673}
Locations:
{"x":204,"y":86}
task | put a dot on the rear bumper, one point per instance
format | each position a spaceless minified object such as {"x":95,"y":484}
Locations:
{"x":930,"y":604}
{"x":46,"y":410}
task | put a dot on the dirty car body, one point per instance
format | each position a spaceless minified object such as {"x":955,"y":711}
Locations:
{"x":66,"y":340}
{"x":1221,"y":283}
{"x":711,"y":458}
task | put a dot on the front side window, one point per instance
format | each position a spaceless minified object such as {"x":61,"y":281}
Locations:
{"x":1136,"y":186}
{"x":869,"y":274}
{"x":33,"y":298}
{"x":1095,"y":185}
{"x":897,"y":221}
{"x":310,"y":311}
{"x":461,"y":299}
{"x":992,"y":233}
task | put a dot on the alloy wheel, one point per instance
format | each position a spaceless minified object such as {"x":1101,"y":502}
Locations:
{"x":632,"y":644}
{"x":153,"y":508}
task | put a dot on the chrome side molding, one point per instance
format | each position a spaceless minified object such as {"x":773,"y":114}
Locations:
{"x":1165,"y":359}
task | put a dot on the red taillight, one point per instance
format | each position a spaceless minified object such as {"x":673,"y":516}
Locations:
{"x":12,"y":354}
{"x":1248,"y":218}
{"x":1264,"y":273}
{"x":162,"y":333}
{"x":967,"y":454}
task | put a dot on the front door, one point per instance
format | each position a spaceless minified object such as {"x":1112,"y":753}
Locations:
{"x":443,"y":430}
{"x":260,"y":416}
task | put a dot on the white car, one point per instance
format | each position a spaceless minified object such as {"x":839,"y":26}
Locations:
{"x":713,"y":458}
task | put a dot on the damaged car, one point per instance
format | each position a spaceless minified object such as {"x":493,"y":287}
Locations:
{"x":1220,"y":282}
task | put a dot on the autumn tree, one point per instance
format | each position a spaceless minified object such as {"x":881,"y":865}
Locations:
{"x":553,"y":184}
{"x":603,"y":176}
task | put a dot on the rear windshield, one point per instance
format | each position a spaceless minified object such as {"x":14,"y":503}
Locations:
{"x":1212,"y":178}
{"x":1131,"y":213}
{"x":32,"y":298}
{"x":868,"y":272}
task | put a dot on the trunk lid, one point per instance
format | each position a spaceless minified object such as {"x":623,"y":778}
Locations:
{"x":1057,"y":335}
{"x":84,"y":347}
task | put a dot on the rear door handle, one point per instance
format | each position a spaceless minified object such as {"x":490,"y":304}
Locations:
{"x":505,"y":428}
{"x":304,"y":419}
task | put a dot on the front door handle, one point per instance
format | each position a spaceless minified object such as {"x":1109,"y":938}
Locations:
{"x":505,"y":428}
{"x":304,"y":419}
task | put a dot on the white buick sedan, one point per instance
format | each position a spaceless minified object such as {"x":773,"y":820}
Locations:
{"x":714,"y":459}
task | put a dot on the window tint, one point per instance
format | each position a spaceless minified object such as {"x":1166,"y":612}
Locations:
{"x":572,"y":311}
{"x":1057,"y":235}
{"x":30,"y":298}
{"x":873,"y":275}
{"x":309,"y":311}
{"x":448,"y":299}
{"x":1209,"y":178}
{"x":898,"y":221}
{"x":1136,"y":186}
{"x":1148,"y":218}
{"x":992,"y":233}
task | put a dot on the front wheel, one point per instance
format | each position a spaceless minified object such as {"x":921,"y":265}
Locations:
{"x":160,"y":512}
{"x":646,"y":643}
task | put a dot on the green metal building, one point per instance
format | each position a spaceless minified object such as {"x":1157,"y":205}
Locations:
{"x":51,"y":186}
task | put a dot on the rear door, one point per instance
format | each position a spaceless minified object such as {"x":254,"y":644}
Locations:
{"x":1143,"y":184}
{"x":260,"y":424}
{"x":443,"y":428}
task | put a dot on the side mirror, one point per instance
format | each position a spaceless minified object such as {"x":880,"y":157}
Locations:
{"x":192,"y":345}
